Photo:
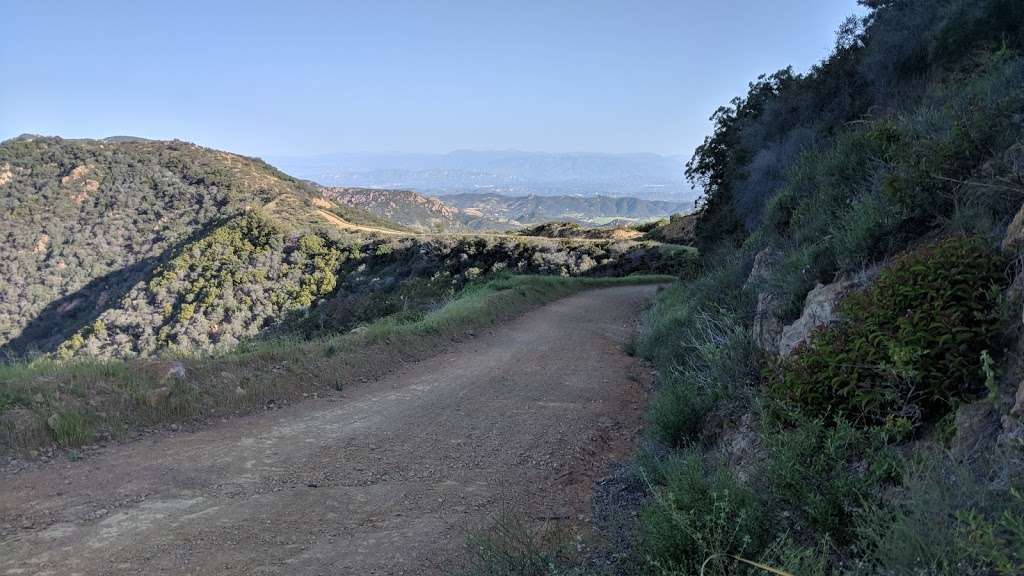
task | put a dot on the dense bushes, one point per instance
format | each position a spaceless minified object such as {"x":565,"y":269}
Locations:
{"x":908,"y":347}
{"x":83,"y":221}
{"x":903,"y":152}
{"x":699,"y":513}
{"x":250,"y":277}
{"x":242,"y":277}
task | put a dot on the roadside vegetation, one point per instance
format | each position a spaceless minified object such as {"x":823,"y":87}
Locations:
{"x":884,"y":443}
{"x":86,"y":400}
{"x":840,"y":381}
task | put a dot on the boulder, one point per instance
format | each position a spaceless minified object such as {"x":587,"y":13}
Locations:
{"x":1018,"y":405}
{"x":767,"y":328}
{"x":764,"y":261}
{"x":820,"y":309}
{"x":1013,"y":423}
{"x":742,"y":447}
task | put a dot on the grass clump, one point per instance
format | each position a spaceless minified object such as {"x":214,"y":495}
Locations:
{"x":710,"y":383}
{"x":510,"y":547}
{"x":699,"y":512}
{"x":907,"y":348}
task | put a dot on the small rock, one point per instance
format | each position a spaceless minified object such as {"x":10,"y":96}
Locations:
{"x":53,"y":421}
{"x":174,"y":427}
{"x":176,"y":370}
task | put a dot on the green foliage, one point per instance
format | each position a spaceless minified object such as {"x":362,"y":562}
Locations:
{"x":71,"y":428}
{"x":947,"y":521}
{"x":910,"y":346}
{"x":709,"y":386}
{"x":83,"y":221}
{"x":509,"y":547}
{"x":227,"y":286}
{"x":826,"y":474}
{"x":699,"y":512}
{"x":911,"y":131}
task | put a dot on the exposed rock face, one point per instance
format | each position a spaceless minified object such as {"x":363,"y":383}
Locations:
{"x":1013,"y":423}
{"x":1015,"y":233}
{"x":742,"y":447}
{"x":977,"y":425}
{"x":767,"y":327}
{"x":819,"y":310}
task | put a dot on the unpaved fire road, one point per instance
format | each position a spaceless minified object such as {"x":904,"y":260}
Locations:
{"x":385,"y":479}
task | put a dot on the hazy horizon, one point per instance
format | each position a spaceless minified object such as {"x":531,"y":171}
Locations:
{"x":314,"y":77}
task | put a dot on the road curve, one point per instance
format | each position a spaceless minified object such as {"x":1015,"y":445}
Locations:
{"x":385,"y":479}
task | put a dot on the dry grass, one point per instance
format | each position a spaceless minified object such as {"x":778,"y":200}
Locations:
{"x":71,"y":403}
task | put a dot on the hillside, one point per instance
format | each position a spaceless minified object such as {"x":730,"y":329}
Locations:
{"x":82,"y":221}
{"x":414,"y":210}
{"x":841,"y":384}
{"x":535,"y":209}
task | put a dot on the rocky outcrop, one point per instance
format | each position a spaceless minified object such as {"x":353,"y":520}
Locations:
{"x":1013,"y":422}
{"x":820,"y":309}
{"x":742,"y":447}
{"x":977,"y":425}
{"x":1014,"y":239}
{"x":767,"y":327}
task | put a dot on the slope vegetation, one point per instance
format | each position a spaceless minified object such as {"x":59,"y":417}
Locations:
{"x":83,"y":221}
{"x":839,"y":381}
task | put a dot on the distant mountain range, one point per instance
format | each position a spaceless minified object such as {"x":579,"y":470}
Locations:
{"x":510,"y":172}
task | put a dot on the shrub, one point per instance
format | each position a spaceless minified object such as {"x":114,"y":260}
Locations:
{"x":711,"y":383}
{"x":679,"y":411}
{"x":510,"y":547}
{"x":907,"y":348}
{"x":944,"y":520}
{"x":698,"y":513}
{"x":825,"y":474}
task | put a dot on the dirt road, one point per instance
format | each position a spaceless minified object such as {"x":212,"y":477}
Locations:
{"x":385,"y":479}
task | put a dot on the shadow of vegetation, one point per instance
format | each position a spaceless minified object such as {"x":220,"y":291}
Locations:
{"x":61,"y":318}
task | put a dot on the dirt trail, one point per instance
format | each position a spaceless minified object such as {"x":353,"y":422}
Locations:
{"x":385,"y":480}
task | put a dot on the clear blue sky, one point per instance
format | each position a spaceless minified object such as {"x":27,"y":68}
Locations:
{"x":306,"y":76}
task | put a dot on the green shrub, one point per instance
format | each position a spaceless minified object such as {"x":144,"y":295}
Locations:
{"x":698,"y":513}
{"x":70,"y":428}
{"x":710,"y":384}
{"x":945,"y":520}
{"x":825,"y":474}
{"x":907,"y":348}
{"x":679,"y":411}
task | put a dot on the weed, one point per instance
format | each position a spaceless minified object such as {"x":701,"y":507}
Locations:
{"x":510,"y":547}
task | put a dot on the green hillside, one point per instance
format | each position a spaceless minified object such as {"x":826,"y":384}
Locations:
{"x":83,"y":221}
